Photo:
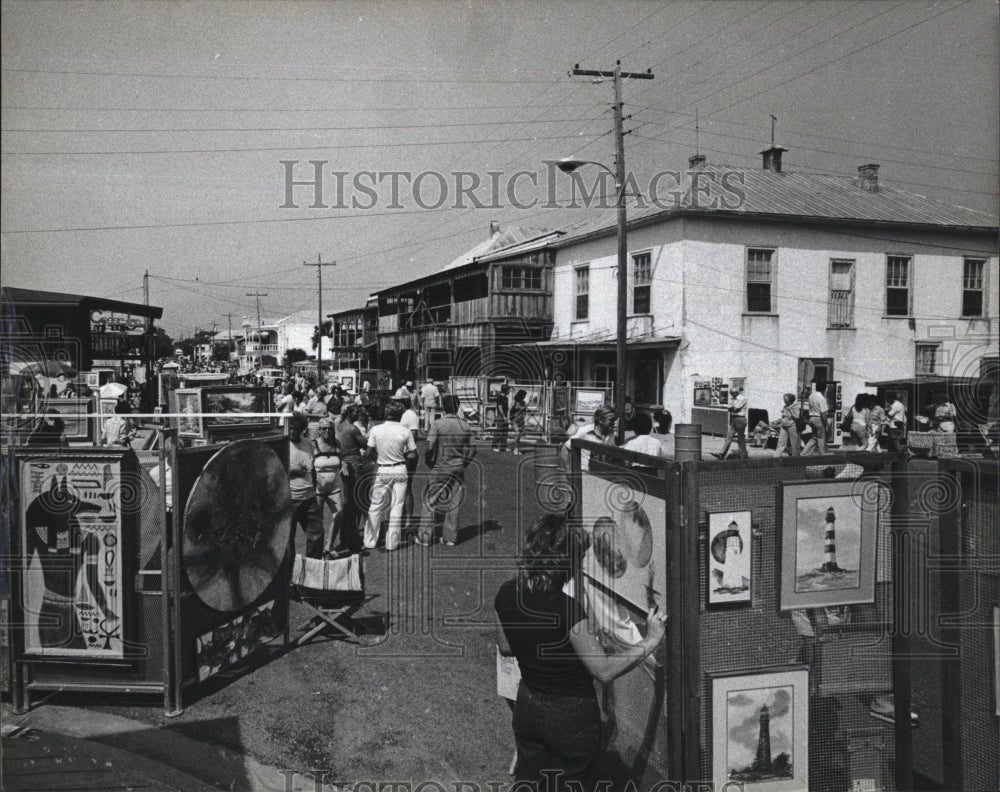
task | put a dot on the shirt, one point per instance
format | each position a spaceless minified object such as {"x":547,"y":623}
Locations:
{"x":818,"y":407}
{"x":645,"y":444}
{"x":410,"y":420}
{"x":897,"y":413}
{"x":537,"y":627}
{"x":351,"y":440}
{"x":587,"y":432}
{"x":429,"y":395}
{"x":449,"y":442}
{"x":391,"y":440}
{"x":789,"y":414}
{"x":300,"y":468}
{"x":739,"y":406}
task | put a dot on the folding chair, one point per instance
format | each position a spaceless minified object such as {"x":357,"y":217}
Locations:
{"x":334,"y":590}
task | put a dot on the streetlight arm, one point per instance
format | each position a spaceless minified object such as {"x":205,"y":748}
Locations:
{"x":569,"y":164}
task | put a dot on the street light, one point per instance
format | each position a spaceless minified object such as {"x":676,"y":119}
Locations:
{"x":569,"y":165}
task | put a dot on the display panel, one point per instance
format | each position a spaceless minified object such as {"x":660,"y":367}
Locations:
{"x":71,"y":552}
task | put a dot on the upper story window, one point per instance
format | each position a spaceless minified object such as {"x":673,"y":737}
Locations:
{"x":973,"y":287}
{"x":898,"y":282}
{"x":520,"y":278}
{"x":642,"y":278}
{"x":760,"y":280}
{"x":581,"y":289}
{"x":841,"y":293}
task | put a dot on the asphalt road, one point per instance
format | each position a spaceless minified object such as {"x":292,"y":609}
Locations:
{"x":418,"y":702}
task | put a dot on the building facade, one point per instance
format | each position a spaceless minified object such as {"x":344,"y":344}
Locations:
{"x":840,"y":279}
{"x":266,"y":344}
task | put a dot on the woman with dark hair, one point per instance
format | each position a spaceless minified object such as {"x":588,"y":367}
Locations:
{"x":518,"y":412}
{"x":556,"y":718}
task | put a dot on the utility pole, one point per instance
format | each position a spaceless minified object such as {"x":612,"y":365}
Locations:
{"x":319,"y":264}
{"x":622,"y":309}
{"x":229,"y":317}
{"x":258,"y":294}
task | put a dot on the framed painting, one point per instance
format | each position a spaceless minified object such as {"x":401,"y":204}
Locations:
{"x":239,"y":407}
{"x":76,"y":417}
{"x":729,"y":559}
{"x":702,"y":397}
{"x":760,"y":730}
{"x":72,"y":541}
{"x":587,"y":401}
{"x":189,"y":423}
{"x":92,"y":379}
{"x":828,"y":533}
{"x":489,"y":417}
{"x":624,"y":567}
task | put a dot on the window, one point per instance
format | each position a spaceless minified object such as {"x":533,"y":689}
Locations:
{"x":928,"y":358}
{"x":521,"y":278}
{"x":973,"y":287}
{"x":582,"y":292}
{"x":841,"y":293}
{"x":642,"y":277}
{"x":760,"y":279}
{"x":897,"y":286}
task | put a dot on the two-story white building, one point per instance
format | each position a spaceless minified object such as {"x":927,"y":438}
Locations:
{"x":266,"y":344}
{"x":764,"y":275}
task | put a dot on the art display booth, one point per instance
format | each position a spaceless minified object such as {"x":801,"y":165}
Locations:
{"x":119,"y":594}
{"x":798,"y":593}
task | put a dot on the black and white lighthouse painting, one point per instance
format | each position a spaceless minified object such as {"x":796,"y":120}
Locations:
{"x":827,"y":544}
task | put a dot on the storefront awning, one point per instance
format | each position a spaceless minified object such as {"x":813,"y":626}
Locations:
{"x":928,"y":380}
{"x":604,"y":345}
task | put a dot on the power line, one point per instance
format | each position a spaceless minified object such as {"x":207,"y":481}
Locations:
{"x":251,"y":78}
{"x":406,"y":144}
{"x":357,"y":128}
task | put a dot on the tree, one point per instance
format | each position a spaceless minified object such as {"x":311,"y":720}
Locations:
{"x":295,"y":355}
{"x":327,"y":331}
{"x":163,"y":344}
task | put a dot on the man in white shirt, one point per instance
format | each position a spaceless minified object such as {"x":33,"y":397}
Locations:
{"x":409,"y":420}
{"x":644,"y":442}
{"x":430,"y":399}
{"x":602,"y":430}
{"x":819,"y":410}
{"x":896,"y":416}
{"x":391,"y":444}
{"x":737,"y":425}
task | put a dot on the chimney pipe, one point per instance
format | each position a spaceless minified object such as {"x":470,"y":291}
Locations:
{"x":695,"y":160}
{"x":868,"y":177}
{"x":494,"y":227}
{"x":772,"y":157}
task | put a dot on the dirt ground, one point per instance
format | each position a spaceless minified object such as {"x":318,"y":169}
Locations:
{"x":417,"y":704}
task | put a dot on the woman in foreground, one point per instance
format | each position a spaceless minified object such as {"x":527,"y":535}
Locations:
{"x":556,"y":718}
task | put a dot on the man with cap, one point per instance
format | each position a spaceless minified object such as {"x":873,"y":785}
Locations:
{"x":409,"y":420}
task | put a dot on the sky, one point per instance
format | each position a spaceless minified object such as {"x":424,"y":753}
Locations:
{"x":150,"y":136}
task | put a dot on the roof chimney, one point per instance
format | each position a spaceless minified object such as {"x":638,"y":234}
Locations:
{"x":868,"y":177}
{"x":494,"y":227}
{"x":695,"y":160}
{"x":772,"y":157}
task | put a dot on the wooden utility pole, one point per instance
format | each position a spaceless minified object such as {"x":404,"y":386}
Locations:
{"x":229,"y":317}
{"x":258,"y":294}
{"x":622,"y":310}
{"x":319,"y":264}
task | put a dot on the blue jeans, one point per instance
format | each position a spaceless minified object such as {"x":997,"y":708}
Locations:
{"x":559,"y":734}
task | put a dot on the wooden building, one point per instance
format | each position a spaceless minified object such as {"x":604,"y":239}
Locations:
{"x":460,"y":320}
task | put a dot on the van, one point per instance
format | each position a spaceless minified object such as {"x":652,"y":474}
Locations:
{"x":272,"y":374}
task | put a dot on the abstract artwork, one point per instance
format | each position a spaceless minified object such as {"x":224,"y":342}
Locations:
{"x":625,"y":566}
{"x":229,"y":643}
{"x":729,"y":558}
{"x":828,"y":543}
{"x":760,"y":731}
{"x":71,"y":552}
{"x":189,"y":412}
{"x":237,"y":522}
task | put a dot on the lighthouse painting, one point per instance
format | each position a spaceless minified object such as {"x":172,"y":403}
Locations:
{"x":828,"y":545}
{"x":760,"y":725}
{"x":730,"y":553}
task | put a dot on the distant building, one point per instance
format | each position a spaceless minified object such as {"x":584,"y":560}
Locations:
{"x":267,"y":344}
{"x":458,"y":320}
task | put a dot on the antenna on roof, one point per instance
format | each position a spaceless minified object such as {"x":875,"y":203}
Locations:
{"x":697,"y":146}
{"x":773,"y":119}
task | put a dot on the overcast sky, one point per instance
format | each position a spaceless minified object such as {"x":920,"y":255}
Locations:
{"x":149,"y":135}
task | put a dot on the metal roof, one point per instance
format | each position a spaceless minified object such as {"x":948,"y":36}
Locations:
{"x":508,"y":237}
{"x":760,"y":193}
{"x":16,"y":296}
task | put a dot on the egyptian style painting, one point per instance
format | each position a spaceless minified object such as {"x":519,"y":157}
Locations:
{"x":71,"y":551}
